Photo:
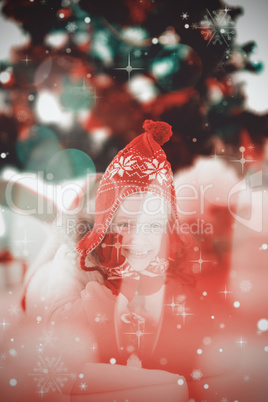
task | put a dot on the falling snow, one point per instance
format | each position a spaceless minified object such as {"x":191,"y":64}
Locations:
{"x":39,"y":348}
{"x":196,"y":268}
{"x":14,"y":309}
{"x":245,"y":286}
{"x":228,"y":53}
{"x":207,"y":340}
{"x":3,"y":356}
{"x":180,"y":299}
{"x":137,"y":53}
{"x":101,"y":318}
{"x":196,"y":374}
{"x":48,"y":338}
{"x":71,"y":27}
{"x":130,"y":348}
{"x":184,"y":16}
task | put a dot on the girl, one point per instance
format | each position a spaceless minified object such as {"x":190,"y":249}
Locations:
{"x":126,"y":318}
{"x":129,"y":286}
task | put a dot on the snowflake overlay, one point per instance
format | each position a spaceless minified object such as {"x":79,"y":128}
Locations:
{"x":196,"y":374}
{"x":207,"y":340}
{"x":217,"y":27}
{"x":48,"y":338}
{"x":14,"y":309}
{"x":101,"y":318}
{"x":71,"y":27}
{"x":83,"y":386}
{"x":245,"y":285}
{"x":50,"y":374}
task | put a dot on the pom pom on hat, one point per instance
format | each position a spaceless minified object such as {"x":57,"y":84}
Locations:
{"x":160,"y":130}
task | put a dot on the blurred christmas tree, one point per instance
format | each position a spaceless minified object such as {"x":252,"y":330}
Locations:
{"x":93,"y":70}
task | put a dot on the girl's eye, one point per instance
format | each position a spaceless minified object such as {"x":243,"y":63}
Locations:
{"x":123,"y":225}
{"x":156,"y":226}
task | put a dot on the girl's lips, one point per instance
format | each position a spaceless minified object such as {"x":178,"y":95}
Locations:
{"x":137,"y":253}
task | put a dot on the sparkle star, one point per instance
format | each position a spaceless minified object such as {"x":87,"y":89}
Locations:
{"x":88,"y":91}
{"x":94,"y":95}
{"x":25,"y":243}
{"x":216,"y":156}
{"x":183,"y":313}
{"x":173,"y":305}
{"x":4,"y":324}
{"x":139,"y":334}
{"x":41,"y":392}
{"x":94,"y":347}
{"x":241,"y":342}
{"x":200,"y":261}
{"x":225,"y":292}
{"x":128,"y":68}
{"x":26,"y":60}
{"x":84,"y":88}
{"x":243,"y":160}
{"x":117,"y":245}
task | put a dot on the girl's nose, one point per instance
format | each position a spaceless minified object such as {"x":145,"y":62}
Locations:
{"x":138,"y":235}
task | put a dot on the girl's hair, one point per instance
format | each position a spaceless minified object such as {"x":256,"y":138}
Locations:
{"x":80,"y":218}
{"x":180,"y":267}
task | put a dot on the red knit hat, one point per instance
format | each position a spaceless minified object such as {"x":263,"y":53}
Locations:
{"x":141,"y":167}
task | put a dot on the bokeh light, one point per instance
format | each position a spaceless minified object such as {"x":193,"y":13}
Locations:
{"x":69,"y":164}
{"x":176,"y":66}
{"x":49,"y":110}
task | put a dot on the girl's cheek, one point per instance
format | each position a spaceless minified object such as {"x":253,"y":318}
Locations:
{"x":126,"y":238}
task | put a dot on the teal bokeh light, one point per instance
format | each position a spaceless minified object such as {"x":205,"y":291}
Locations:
{"x":69,"y":164}
{"x":35,"y":151}
{"x":77,"y":95}
{"x":176,"y":66}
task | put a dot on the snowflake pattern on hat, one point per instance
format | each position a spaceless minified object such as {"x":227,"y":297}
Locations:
{"x":150,"y":169}
{"x":122,"y":166}
{"x":156,"y":170}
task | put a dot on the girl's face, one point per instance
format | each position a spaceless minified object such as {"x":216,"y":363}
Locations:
{"x":142,"y":220}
